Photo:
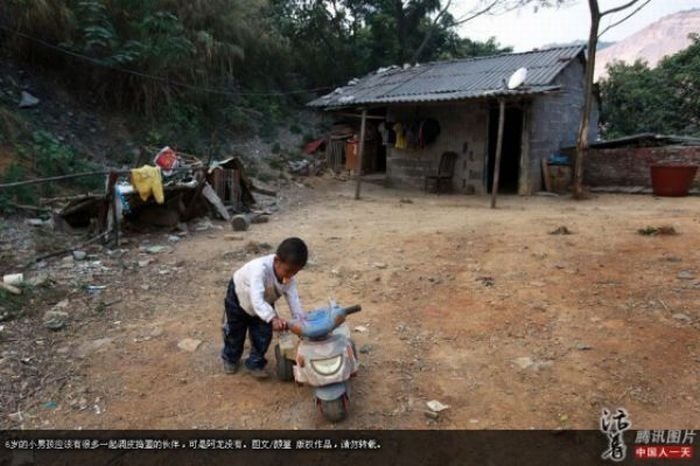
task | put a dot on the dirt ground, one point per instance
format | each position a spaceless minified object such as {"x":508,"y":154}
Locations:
{"x":483,"y":310}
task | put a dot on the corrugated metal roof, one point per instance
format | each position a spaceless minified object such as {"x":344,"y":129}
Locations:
{"x":454,"y":80}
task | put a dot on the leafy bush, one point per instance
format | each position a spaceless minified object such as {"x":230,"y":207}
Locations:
{"x":53,"y":158}
{"x":19,"y":194}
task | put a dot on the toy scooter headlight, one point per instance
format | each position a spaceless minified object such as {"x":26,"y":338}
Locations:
{"x":327,"y":366}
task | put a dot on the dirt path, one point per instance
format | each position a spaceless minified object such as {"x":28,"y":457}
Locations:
{"x":456,"y":299}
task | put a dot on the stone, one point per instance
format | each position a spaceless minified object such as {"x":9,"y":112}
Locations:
{"x":686,"y":275}
{"x":189,"y":344}
{"x":39,"y":279}
{"x":681,"y":316}
{"x":204,"y":225}
{"x":55,"y":320}
{"x":582,"y":346}
{"x":35,"y":222}
{"x":144,"y":263}
{"x":79,"y":255}
{"x":28,"y":101}
{"x":173,"y":238}
{"x":90,"y":347}
{"x":155,"y":249}
{"x":436,"y":406}
{"x":231,"y":237}
{"x":365,"y":349}
{"x":380,"y":265}
{"x":360,"y":329}
{"x":524,"y":362}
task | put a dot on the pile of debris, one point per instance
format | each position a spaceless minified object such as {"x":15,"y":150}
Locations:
{"x":175,"y":189}
{"x":314,"y":161}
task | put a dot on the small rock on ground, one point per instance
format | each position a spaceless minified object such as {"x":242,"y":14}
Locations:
{"x":189,"y":344}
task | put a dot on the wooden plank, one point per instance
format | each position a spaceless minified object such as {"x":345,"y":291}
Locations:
{"x":361,"y":151}
{"x":545,"y":174}
{"x":211,"y":196}
{"x":499,"y":149}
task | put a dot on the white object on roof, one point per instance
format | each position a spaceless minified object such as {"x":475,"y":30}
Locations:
{"x":517,"y":78}
{"x":346,"y":99}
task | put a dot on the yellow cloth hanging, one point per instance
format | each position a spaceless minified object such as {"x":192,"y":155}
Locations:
{"x":147,"y":181}
{"x":400,"y":136}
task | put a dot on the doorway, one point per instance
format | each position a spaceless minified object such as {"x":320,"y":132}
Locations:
{"x":510,"y":156}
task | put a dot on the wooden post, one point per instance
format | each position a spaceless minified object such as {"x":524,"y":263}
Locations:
{"x":360,"y":152}
{"x":111,"y":204}
{"x":499,"y":149}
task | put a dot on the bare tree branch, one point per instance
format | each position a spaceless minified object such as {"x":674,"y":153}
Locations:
{"x":429,"y":34}
{"x":469,"y":17}
{"x":617,"y":23}
{"x":619,"y":8}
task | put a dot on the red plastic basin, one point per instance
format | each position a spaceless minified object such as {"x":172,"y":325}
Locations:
{"x":672,"y":180}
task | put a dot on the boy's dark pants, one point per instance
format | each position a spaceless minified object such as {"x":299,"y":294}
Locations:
{"x":237,"y":323}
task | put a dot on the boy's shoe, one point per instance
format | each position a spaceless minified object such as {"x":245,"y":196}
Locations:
{"x":231,"y":367}
{"x":257,"y":373}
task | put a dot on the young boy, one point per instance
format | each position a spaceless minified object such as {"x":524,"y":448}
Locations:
{"x":250,"y":300}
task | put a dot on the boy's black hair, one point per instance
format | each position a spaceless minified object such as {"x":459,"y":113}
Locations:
{"x":293,"y":251}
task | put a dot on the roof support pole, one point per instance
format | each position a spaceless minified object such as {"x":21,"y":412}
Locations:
{"x":499,"y":149}
{"x":360,"y":153}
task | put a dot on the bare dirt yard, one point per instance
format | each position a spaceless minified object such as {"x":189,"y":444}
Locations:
{"x":484,"y":310}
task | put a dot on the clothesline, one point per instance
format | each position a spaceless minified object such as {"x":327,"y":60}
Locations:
{"x":83,"y":175}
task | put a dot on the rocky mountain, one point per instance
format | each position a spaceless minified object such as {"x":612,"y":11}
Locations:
{"x":663,"y":37}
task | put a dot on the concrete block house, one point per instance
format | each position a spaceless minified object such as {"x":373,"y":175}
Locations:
{"x":459,"y":99}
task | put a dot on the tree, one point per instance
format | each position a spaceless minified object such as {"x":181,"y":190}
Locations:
{"x":637,"y":99}
{"x":583,"y":133}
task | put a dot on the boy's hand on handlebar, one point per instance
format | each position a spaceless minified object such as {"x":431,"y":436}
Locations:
{"x":279,"y":324}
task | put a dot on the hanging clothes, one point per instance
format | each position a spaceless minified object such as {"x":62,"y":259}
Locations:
{"x":429,"y":131}
{"x":400,"y":136}
{"x":412,"y":134}
{"x":147,"y":181}
{"x":384,"y":132}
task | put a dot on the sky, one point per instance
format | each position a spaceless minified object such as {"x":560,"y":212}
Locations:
{"x":524,"y":29}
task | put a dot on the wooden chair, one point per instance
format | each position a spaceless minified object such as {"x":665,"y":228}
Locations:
{"x":442,"y":182}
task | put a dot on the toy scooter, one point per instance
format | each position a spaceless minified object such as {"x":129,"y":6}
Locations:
{"x":324,"y":357}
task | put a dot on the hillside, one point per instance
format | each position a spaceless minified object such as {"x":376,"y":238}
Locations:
{"x":664,"y":37}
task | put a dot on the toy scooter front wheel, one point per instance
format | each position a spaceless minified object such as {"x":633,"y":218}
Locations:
{"x":284,"y":367}
{"x":334,"y":410}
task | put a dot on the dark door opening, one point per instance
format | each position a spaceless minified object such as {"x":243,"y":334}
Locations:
{"x":510,"y":156}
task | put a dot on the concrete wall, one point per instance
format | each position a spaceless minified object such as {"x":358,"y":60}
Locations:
{"x":463,"y":129}
{"x":629,"y":166}
{"x":554,"y":120}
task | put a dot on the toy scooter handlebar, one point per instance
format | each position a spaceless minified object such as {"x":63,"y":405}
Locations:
{"x":352,"y":309}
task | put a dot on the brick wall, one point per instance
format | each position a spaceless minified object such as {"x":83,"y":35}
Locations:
{"x":555,"y":120}
{"x":629,"y":166}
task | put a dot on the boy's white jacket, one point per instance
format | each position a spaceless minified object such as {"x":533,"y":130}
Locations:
{"x":257,"y":289}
